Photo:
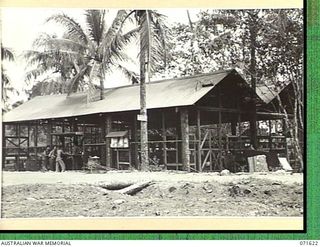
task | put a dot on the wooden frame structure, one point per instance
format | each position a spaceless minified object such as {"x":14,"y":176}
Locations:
{"x":193,"y":137}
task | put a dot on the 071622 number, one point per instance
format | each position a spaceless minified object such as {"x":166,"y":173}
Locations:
{"x":309,"y":242}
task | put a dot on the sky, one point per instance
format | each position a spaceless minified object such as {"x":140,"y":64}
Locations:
{"x":20,"y":26}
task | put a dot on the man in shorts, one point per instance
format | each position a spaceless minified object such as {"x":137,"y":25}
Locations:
{"x":59,"y":161}
{"x":45,"y":159}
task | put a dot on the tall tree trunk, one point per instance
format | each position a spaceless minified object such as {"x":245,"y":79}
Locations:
{"x":101,"y":88}
{"x":184,"y":122}
{"x":293,"y":129}
{"x":193,"y":57}
{"x":253,"y":37}
{"x":297,"y":119}
{"x":297,"y":123}
{"x":296,"y":134}
{"x":143,"y":109}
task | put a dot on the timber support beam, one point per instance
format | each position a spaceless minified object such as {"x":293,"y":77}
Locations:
{"x":184,"y":118}
{"x":108,"y":129}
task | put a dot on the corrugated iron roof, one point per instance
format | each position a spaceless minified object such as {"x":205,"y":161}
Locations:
{"x":268,"y":92}
{"x":117,"y":134}
{"x":160,"y":94}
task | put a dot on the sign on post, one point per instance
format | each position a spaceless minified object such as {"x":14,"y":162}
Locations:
{"x":142,"y":118}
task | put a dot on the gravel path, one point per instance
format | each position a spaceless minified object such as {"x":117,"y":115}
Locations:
{"x":71,"y":177}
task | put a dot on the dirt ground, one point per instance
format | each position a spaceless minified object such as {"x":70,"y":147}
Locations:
{"x":83,"y":194}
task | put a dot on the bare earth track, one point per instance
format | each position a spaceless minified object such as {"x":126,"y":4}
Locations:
{"x":80,"y":194}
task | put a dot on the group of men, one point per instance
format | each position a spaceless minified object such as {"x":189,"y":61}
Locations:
{"x":51,"y":157}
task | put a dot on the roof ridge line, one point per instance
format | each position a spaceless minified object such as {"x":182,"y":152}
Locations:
{"x":180,"y":78}
{"x":148,"y":83}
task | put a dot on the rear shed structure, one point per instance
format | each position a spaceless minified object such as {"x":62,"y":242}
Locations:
{"x":196,"y":123}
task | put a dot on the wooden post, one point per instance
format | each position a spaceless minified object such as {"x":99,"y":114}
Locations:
{"x":239,"y":132}
{"x":62,"y":137}
{"x":103,"y":138}
{"x":284,"y":130}
{"x":210,"y":150}
{"x":28,"y":142}
{"x":16,"y":134}
{"x":36,"y":140}
{"x":253,"y":128}
{"x":108,"y":128}
{"x":177,"y":151}
{"x":185,"y":147}
{"x":3,"y":145}
{"x":220,"y":141}
{"x":118,"y":159}
{"x":19,"y":146}
{"x":74,"y":125}
{"x":164,"y":138}
{"x":239,"y":124}
{"x":219,"y":130}
{"x":49,"y":136}
{"x":233,"y":127}
{"x":178,"y":137}
{"x":130,"y":160}
{"x":135,"y":145}
{"x":270,"y":136}
{"x":199,"y":140}
{"x":84,"y":129}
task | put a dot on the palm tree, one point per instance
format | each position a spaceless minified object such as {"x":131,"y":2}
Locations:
{"x":152,"y":50}
{"x":95,"y":52}
{"x":6,"y":55}
{"x":82,"y":53}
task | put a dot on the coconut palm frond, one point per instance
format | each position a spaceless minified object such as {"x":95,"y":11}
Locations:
{"x":145,"y":38}
{"x":4,"y":96}
{"x":114,"y":55}
{"x":5,"y":91}
{"x":47,"y":42}
{"x":67,"y":45}
{"x":129,"y":74}
{"x":4,"y":78}
{"x":47,"y":86}
{"x":74,"y":29}
{"x":162,"y":33}
{"x":114,"y":30}
{"x":120,"y":41}
{"x":116,"y":52}
{"x":49,"y":57}
{"x":50,"y":61}
{"x":35,"y":73}
{"x":152,"y":39}
{"x":127,"y":37}
{"x":81,"y":53}
{"x":95,"y":20}
{"x":6,"y":53}
{"x":44,"y":41}
{"x":113,"y":61}
{"x":7,"y":86}
{"x":35,"y":57}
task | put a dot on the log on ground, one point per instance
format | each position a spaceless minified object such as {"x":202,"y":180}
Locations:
{"x":135,"y":188}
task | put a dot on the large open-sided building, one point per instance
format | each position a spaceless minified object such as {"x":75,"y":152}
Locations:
{"x":196,"y":123}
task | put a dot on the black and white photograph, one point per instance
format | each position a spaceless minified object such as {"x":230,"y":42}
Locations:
{"x":161,"y":113}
